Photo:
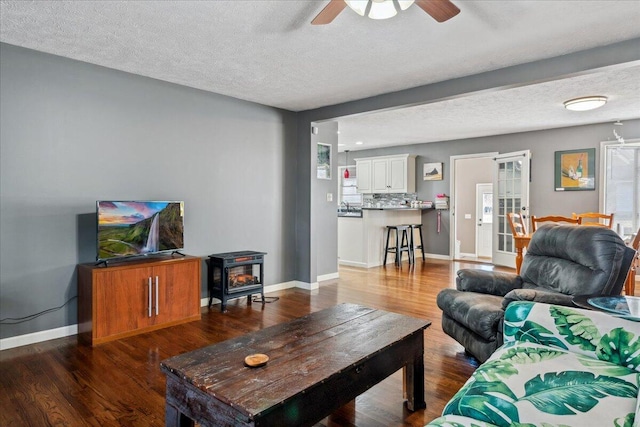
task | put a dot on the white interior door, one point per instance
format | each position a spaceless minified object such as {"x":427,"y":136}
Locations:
{"x":511,"y":194}
{"x":484,"y":220}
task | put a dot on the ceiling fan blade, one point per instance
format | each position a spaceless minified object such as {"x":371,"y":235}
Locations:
{"x":440,"y":10}
{"x":329,"y":12}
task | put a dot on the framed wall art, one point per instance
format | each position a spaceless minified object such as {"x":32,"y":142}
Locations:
{"x":575,"y":170}
{"x":432,"y":172}
{"x":324,"y":161}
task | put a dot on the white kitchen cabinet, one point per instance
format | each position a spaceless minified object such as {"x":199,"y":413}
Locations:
{"x":387,"y":174}
{"x":363,"y":175}
{"x":379,"y":176}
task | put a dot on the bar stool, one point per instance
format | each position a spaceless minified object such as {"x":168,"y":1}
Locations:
{"x":402,"y":243}
{"x":421,"y":245}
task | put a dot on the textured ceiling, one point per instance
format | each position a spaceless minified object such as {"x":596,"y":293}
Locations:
{"x":266,"y":51}
{"x":522,"y":109}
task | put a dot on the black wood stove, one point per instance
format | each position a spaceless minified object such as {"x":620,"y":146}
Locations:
{"x":235,"y":274}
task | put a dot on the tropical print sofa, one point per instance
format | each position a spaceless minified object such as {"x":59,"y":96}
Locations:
{"x":559,"y":366}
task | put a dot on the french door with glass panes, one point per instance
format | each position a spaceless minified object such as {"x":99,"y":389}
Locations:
{"x":510,"y":194}
{"x":620,"y":188}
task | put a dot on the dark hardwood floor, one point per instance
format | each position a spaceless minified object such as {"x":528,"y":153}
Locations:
{"x":62,"y":383}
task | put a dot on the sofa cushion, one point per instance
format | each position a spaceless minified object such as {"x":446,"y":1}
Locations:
{"x":457,"y":421}
{"x":524,"y":382}
{"x":481,"y":313}
{"x":588,"y":333}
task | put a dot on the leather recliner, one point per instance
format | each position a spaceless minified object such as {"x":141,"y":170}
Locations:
{"x":561,"y":262}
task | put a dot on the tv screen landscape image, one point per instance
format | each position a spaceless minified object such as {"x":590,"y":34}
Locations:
{"x":132,"y":228}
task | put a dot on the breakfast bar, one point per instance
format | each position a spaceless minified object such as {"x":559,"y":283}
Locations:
{"x":361,"y":240}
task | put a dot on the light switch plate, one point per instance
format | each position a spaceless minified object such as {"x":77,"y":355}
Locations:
{"x":329,"y":197}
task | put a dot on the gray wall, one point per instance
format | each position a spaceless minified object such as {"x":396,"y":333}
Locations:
{"x":322,"y":211}
{"x":73,"y":133}
{"x":543,"y":144}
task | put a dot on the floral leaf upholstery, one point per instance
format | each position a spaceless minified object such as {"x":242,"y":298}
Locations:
{"x":566,"y":392}
{"x":569,"y":326}
{"x":458,"y":421}
{"x":496,"y":370}
{"x":577,"y":328}
{"x":620,"y":347}
{"x":624,"y":421}
{"x":489,"y":401}
{"x":559,"y":366}
{"x":524,"y":355}
{"x":534,"y":332}
{"x":602,"y":367}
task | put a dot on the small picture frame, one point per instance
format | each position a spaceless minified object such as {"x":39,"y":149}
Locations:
{"x":432,"y":172}
{"x":575,"y":170}
{"x":324,"y":161}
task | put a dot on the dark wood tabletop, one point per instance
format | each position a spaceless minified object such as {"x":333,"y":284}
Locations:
{"x":347,"y":346}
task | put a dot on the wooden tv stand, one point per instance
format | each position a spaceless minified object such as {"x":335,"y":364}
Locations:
{"x":131,"y":297}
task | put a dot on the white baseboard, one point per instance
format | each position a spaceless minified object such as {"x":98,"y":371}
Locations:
{"x":329,"y":276}
{"x":36,"y":337}
{"x":308,"y":286}
{"x":353,"y":263}
{"x":280,"y":286}
{"x":65,"y":331}
{"x":437,"y":256}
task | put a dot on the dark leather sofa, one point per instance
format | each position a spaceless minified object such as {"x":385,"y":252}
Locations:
{"x":561,"y":262}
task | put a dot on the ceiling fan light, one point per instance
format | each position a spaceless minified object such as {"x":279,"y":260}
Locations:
{"x":359,"y":6}
{"x":404,"y":4}
{"x":585,"y":103}
{"x":384,"y":9}
{"x":378,"y":9}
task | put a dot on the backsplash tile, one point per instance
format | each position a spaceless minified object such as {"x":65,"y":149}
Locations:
{"x":390,"y":199}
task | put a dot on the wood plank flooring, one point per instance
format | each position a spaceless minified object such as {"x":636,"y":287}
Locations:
{"x":62,"y":383}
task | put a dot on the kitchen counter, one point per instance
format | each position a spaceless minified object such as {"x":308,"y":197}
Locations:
{"x":361,"y":243}
{"x":357,"y":212}
{"x":396,"y":208}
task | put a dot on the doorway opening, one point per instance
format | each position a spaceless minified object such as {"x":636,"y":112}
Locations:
{"x":467,"y":172}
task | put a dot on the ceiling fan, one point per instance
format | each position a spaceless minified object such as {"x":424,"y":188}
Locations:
{"x":440,"y":10}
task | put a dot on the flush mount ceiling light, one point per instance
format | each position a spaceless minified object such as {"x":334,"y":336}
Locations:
{"x":378,"y":9}
{"x":585,"y":103}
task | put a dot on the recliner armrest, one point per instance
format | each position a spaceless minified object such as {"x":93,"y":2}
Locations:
{"x":487,"y":282}
{"x":537,"y":295}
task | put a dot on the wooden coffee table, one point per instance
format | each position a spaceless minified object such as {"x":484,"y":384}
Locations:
{"x":317,"y":363}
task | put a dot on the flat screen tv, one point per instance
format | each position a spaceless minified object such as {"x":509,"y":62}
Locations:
{"x":132,"y":228}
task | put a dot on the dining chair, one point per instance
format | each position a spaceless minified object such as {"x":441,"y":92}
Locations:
{"x":553,"y":218}
{"x":630,"y":284}
{"x":518,"y":227}
{"x":595,"y":218}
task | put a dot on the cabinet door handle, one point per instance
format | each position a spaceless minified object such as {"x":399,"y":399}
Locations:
{"x":157,"y":309}
{"x":150,"y":293}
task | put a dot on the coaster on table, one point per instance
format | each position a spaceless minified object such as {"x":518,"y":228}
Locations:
{"x":256,"y":360}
